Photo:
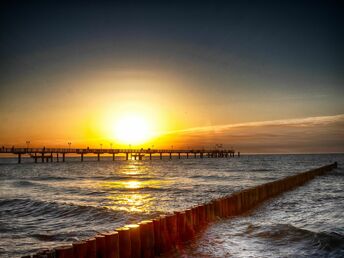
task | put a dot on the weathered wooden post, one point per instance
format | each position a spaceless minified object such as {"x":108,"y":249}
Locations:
{"x":100,"y":245}
{"x":111,"y":244}
{"x":157,"y":236}
{"x":165,"y":243}
{"x":147,"y":239}
{"x":195,"y":217}
{"x":201,"y":215}
{"x":189,"y":225}
{"x":91,"y":248}
{"x":64,"y":252}
{"x":80,"y":249}
{"x":171,"y":221}
{"x":135,"y":240}
{"x":124,"y":242}
{"x":181,"y":226}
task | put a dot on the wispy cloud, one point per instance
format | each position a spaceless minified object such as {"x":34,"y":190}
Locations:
{"x":301,"y":122}
{"x":310,"y":134}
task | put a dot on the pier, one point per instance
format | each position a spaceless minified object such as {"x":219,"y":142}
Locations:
{"x":59,"y":154}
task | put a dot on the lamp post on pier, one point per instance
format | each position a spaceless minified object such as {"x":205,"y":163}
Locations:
{"x":27,"y":145}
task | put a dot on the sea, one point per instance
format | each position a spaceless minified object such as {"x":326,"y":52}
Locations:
{"x":45,"y":205}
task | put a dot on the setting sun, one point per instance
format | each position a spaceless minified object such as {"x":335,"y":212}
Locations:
{"x":132,"y":129}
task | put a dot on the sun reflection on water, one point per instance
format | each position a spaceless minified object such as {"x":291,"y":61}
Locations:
{"x":134,"y":168}
{"x":131,"y":202}
{"x":129,"y":195}
{"x":132,"y":193}
{"x":133,"y":184}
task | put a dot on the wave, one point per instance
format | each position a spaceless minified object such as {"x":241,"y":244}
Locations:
{"x":54,"y":178}
{"x":327,"y":241}
{"x":207,"y":177}
{"x":37,"y":208}
{"x":260,"y":170}
{"x":24,"y":183}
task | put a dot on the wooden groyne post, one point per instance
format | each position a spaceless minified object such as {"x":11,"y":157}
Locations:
{"x":150,"y":238}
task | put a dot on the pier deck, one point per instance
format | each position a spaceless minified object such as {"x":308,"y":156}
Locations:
{"x":48,"y":154}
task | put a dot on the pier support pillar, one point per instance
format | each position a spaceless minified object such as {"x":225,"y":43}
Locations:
{"x":98,"y":156}
{"x":187,"y":155}
{"x":238,"y":153}
{"x":63,"y":157}
{"x":150,"y":156}
{"x":51,"y":157}
{"x":113,"y":156}
{"x":195,"y":155}
{"x":160,"y":155}
{"x":82,"y":157}
{"x":170,"y":155}
{"x":126,"y":156}
{"x":178,"y":155}
{"x":42,"y":157}
{"x":57,"y":157}
{"x":19,"y":158}
{"x":201,"y":155}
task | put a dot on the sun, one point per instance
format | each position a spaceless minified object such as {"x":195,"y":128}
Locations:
{"x":132,"y":129}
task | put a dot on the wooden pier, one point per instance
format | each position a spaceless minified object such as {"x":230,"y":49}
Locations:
{"x":59,"y":154}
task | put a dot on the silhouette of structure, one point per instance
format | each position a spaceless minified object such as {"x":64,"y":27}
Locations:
{"x":48,"y":154}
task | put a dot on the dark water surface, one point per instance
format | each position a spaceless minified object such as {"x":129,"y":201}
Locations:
{"x":49,"y":204}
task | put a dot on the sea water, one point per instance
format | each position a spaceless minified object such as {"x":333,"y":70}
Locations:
{"x":45,"y":205}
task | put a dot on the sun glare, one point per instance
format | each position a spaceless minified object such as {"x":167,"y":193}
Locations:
{"x":132,"y":129}
{"x":133,"y":184}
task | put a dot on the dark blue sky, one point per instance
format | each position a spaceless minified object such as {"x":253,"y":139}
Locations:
{"x":232,"y":62}
{"x":287,"y":37}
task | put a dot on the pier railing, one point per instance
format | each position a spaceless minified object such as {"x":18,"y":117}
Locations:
{"x":47,"y":154}
{"x":110,"y":151}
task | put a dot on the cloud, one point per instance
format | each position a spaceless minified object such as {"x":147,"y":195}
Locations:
{"x":310,"y":134}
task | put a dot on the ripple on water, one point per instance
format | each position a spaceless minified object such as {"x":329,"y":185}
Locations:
{"x":44,"y":205}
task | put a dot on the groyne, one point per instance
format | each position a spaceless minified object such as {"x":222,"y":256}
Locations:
{"x":163,"y":234}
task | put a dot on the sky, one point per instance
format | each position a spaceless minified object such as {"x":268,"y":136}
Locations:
{"x":261,"y":76}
